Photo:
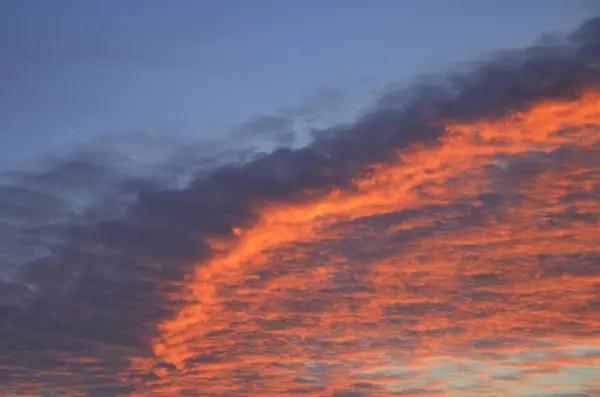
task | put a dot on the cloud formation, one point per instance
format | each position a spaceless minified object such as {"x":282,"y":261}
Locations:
{"x":445,"y":244}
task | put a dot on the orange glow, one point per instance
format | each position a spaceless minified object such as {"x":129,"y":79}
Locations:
{"x":430,"y":268}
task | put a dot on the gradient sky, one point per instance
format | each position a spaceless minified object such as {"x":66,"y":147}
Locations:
{"x":73,"y":70}
{"x":436,"y":239}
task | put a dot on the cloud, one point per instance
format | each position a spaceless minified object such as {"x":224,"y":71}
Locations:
{"x":290,"y":126}
{"x":454,"y":222}
{"x":278,"y":128}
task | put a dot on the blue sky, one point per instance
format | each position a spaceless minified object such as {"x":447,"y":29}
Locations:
{"x":73,"y":70}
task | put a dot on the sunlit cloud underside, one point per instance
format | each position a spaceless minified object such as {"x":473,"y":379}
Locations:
{"x":468,"y":267}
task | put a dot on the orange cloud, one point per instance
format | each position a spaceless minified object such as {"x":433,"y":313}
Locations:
{"x":481,"y":247}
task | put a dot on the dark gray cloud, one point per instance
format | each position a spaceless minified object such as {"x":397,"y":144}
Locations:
{"x":106,"y":248}
{"x":277,"y":128}
{"x":290,"y":126}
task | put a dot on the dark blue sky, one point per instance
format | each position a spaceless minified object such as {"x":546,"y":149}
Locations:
{"x":72,"y":70}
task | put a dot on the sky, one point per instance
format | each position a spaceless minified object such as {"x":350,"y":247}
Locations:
{"x":72,"y":71}
{"x":333,"y":199}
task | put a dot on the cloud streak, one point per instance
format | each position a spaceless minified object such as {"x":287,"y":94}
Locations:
{"x":444,"y":244}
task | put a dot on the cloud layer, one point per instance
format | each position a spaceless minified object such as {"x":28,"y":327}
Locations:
{"x":444,"y":244}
